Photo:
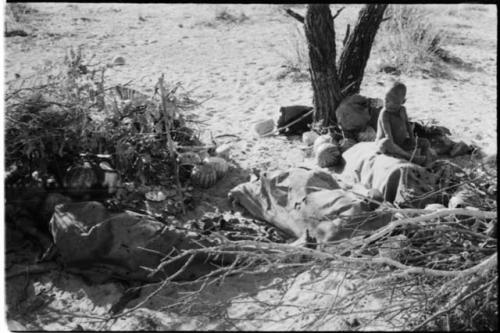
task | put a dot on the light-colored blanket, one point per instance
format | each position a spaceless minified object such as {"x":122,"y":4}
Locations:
{"x":400,"y":181}
{"x":299,"y":199}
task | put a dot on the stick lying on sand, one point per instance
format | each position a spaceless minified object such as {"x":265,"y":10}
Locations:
{"x":289,"y":124}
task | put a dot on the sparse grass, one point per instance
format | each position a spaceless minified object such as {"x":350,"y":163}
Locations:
{"x":20,"y":10}
{"x":17,"y":18}
{"x":224,"y":14}
{"x":295,"y":54}
{"x":479,"y":8}
{"x":408,"y":41}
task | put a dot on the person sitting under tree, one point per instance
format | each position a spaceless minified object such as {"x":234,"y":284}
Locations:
{"x":394,"y":132}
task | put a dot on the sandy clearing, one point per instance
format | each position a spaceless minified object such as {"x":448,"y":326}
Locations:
{"x":239,"y":67}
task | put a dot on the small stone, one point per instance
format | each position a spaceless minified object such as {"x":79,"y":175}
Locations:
{"x":118,"y":61}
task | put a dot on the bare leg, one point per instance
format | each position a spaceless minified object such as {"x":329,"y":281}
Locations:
{"x":387,"y":146}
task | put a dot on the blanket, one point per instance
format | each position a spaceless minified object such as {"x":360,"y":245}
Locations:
{"x":300,"y":200}
{"x":122,"y":245}
{"x":400,"y":181}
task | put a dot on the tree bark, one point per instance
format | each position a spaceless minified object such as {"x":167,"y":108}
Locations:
{"x":320,"y":35}
{"x":357,"y":49}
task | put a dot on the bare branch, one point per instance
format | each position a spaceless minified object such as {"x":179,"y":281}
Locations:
{"x":156,"y":291}
{"x":308,"y":113}
{"x":446,"y":310}
{"x":338,"y":12}
{"x":295,"y":15}
{"x":347,"y":33}
{"x":31,"y":269}
{"x":168,"y":117}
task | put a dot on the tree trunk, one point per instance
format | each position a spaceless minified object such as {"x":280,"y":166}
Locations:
{"x":357,"y":49}
{"x":320,"y":35}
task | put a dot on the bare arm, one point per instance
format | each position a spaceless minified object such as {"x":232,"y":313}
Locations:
{"x":409,"y":128}
{"x":385,"y":126}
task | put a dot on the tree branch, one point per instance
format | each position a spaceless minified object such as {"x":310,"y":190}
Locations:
{"x":354,"y":57}
{"x":347,"y":32}
{"x":295,"y":15}
{"x":446,"y":310}
{"x":338,"y":12}
{"x":428,"y":217}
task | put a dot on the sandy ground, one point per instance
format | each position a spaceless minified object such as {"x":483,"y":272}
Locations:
{"x":240,"y":68}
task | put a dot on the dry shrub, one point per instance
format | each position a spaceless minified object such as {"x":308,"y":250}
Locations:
{"x":66,"y":111}
{"x":430,"y":269}
{"x":408,"y":41}
{"x":47,"y":117}
{"x":295,"y":54}
{"x":20,"y":10}
{"x":224,"y":14}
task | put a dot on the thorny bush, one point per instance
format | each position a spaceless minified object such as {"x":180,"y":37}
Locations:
{"x":50,"y":124}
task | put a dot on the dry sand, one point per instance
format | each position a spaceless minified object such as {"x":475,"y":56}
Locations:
{"x":240,"y":67}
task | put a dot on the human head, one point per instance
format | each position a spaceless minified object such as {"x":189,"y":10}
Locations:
{"x":395,"y":97}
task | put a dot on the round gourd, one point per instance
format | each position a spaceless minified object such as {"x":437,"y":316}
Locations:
{"x":326,"y":138}
{"x":80,"y":179}
{"x":328,"y":155}
{"x":204,"y":175}
{"x":308,"y":138}
{"x":264,"y":127}
{"x":188,"y":158}
{"x":220,"y":165}
{"x":345,"y":144}
{"x":368,"y":134}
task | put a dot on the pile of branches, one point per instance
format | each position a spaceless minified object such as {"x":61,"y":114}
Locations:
{"x":67,"y":111}
{"x":435,"y":272}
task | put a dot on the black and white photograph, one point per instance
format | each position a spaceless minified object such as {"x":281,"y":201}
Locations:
{"x":250,"y":167}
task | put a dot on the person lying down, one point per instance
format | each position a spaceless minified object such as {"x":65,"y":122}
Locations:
{"x":394,"y":133}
